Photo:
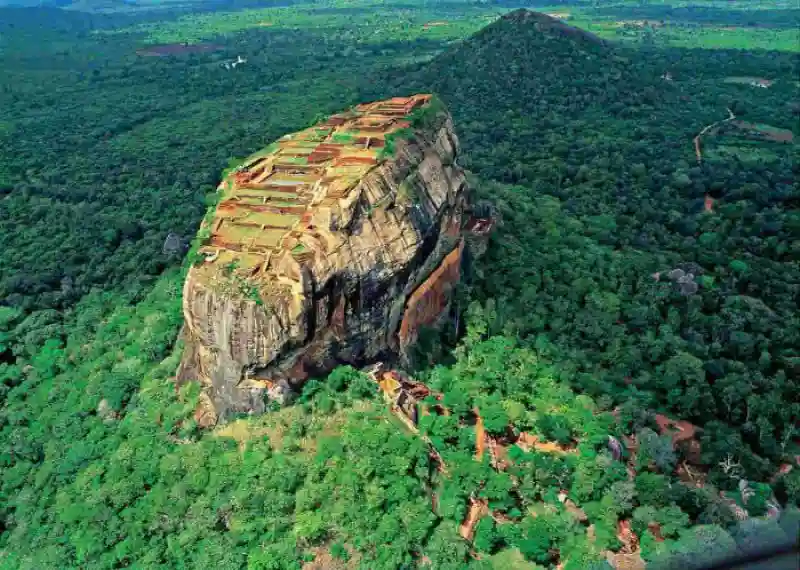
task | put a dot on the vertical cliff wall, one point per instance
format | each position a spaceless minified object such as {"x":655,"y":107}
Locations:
{"x":332,"y":245}
{"x":428,"y":302}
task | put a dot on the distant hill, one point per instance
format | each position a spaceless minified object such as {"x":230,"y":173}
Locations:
{"x":550,"y":25}
{"x":529,"y":70}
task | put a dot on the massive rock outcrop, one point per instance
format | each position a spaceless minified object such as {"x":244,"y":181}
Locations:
{"x":334,"y":244}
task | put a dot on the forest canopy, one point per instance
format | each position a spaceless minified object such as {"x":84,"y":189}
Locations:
{"x":633,"y":275}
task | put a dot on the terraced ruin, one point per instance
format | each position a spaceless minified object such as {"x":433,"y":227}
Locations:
{"x":283,"y":204}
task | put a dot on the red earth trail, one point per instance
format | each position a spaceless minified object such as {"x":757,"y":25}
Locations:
{"x":705,"y":130}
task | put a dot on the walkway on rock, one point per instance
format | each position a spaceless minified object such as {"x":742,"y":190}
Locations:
{"x":707,"y":128}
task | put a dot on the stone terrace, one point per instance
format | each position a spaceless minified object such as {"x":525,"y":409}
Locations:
{"x":284,"y":200}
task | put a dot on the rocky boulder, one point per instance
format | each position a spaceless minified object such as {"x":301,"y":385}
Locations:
{"x":333,"y":245}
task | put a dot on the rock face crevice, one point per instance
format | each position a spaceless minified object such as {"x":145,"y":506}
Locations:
{"x":316,"y":251}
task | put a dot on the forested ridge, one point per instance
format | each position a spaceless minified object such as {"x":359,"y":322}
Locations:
{"x":623,"y":279}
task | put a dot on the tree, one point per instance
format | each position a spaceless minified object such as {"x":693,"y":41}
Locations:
{"x":535,"y":542}
{"x":655,"y":451}
{"x":698,"y":547}
{"x":486,"y":537}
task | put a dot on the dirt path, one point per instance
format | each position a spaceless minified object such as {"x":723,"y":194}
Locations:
{"x":707,"y":128}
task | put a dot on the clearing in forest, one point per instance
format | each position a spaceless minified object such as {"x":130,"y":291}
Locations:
{"x":766,"y":132}
{"x":749,"y":80}
{"x":434,"y":25}
{"x":639,"y":23}
{"x":747,"y":154}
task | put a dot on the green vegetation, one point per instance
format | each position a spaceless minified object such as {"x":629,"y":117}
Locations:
{"x":611,"y":150}
{"x":426,"y":117}
{"x":390,"y":141}
{"x":575,"y":327}
{"x":295,"y":160}
{"x":342,"y":138}
{"x":408,"y":191}
{"x":358,"y":25}
{"x":710,"y":24}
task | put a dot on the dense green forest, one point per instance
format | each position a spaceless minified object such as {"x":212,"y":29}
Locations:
{"x":625,"y":277}
{"x":610,"y":140}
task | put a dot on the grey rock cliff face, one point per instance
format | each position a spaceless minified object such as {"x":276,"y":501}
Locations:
{"x":339,"y":299}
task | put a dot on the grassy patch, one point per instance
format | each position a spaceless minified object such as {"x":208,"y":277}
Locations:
{"x":743,"y":80}
{"x":390,"y":146}
{"x":768,"y":132}
{"x":746,"y":154}
{"x":376,"y":24}
{"x":266,"y":151}
{"x":294,"y":160}
{"x":426,"y":117}
{"x":233,"y":164}
{"x":342,"y":138}
{"x":678,"y":34}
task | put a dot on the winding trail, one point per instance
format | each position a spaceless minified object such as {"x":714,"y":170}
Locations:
{"x":707,"y":128}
